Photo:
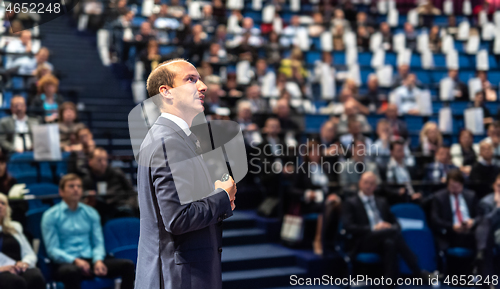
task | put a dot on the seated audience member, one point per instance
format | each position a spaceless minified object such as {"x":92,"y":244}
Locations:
{"x":374,"y":97}
{"x":436,"y":172}
{"x":398,"y":174}
{"x":381,"y":148}
{"x":78,"y":159}
{"x":464,"y":153}
{"x":282,"y":111}
{"x":308,"y":187}
{"x":338,"y":31}
{"x":259,"y":105}
{"x":16,"y":130}
{"x":103,"y":179}
{"x":151,"y":57}
{"x":163,"y":19}
{"x":245,"y":119}
{"x":318,"y":25}
{"x":72,"y":235}
{"x":410,"y":36}
{"x":329,"y":141}
{"x":363,"y":38}
{"x":454,"y":213}
{"x":351,"y":112}
{"x":489,"y":93}
{"x":430,"y":140}
{"x":398,"y":126}
{"x":434,"y":39}
{"x":385,"y":30}
{"x":354,"y":133}
{"x":15,"y":247}
{"x":32,"y":82}
{"x":494,"y":137}
{"x":399,"y":78}
{"x":23,"y":44}
{"x":405,"y":96}
{"x":212,"y":100}
{"x":485,"y":170}
{"x":48,"y":100}
{"x":479,"y":102}
{"x":375,"y":229}
{"x":27,"y":65}
{"x":355,"y":166}
{"x":487,"y":231}
{"x":68,"y":127}
{"x":289,"y":33}
{"x":460,"y":91}
{"x":146,"y":33}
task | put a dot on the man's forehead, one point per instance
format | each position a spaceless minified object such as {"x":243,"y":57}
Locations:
{"x":182,"y":68}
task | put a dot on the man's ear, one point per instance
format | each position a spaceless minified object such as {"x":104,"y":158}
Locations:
{"x":165,"y":91}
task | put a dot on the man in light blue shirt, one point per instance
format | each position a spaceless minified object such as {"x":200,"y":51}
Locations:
{"x":73,"y":237}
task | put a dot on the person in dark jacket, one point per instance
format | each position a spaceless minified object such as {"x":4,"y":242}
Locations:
{"x":484,"y":171}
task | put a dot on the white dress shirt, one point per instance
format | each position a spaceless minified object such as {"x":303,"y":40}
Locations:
{"x":184,"y":126}
{"x":21,"y":127}
{"x":464,"y":210}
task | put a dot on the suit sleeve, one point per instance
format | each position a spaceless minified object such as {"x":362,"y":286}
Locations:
{"x":182,"y":218}
{"x":439,"y":222}
{"x":4,"y":142}
{"x":348,"y":213}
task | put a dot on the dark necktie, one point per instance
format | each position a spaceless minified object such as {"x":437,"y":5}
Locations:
{"x":196,"y":143}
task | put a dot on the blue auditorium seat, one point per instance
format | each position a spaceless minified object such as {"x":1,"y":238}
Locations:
{"x":458,"y":107}
{"x":459,"y":252}
{"x":121,"y":237}
{"x":364,"y":58}
{"x":459,"y":46}
{"x":316,"y":42}
{"x":165,"y":50}
{"x":439,"y":60}
{"x":464,"y":76}
{"x":440,"y":20}
{"x":313,"y":122}
{"x":339,"y":58}
{"x":33,"y":221}
{"x":391,"y":58}
{"x":415,"y":61}
{"x":492,"y":62}
{"x":466,"y":61}
{"x":137,"y":21}
{"x":436,"y":106}
{"x":494,"y":77}
{"x":421,"y":242}
{"x":409,"y":211}
{"x":41,"y":189}
{"x":437,"y":75}
{"x":7,"y":96}
{"x":364,"y":73}
{"x":368,"y":258}
{"x":17,"y":82}
{"x":373,"y":120}
{"x":312,"y":56}
{"x":21,"y":167}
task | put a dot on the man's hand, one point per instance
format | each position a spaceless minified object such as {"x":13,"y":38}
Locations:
{"x":310,"y":195}
{"x":416,"y":196}
{"x":229,"y":186}
{"x":413,"y":112}
{"x":21,"y":266}
{"x":9,"y":268}
{"x":83,"y":265}
{"x":469,"y":223}
{"x":100,"y":269}
{"x":459,"y":228}
{"x":382,"y":225}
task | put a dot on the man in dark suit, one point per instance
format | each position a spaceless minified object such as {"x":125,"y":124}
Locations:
{"x":454,"y":224}
{"x":181,"y":208}
{"x":16,"y":130}
{"x":375,"y":229}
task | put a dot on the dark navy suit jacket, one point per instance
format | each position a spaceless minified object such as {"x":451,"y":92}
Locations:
{"x":180,"y":243}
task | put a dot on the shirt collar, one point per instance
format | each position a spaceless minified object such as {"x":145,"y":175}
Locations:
{"x":25,"y":118}
{"x":178,"y":121}
{"x":65,"y":207}
{"x":364,"y":197}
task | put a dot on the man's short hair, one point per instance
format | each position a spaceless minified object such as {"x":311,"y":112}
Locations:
{"x":93,"y":152}
{"x":68,"y":178}
{"x":395,"y":143}
{"x":495,"y":124}
{"x":455,"y":175}
{"x":161,"y":75}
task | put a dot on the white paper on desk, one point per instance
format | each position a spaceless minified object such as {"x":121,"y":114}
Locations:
{"x":424,"y":102}
{"x":398,"y":42}
{"x":496,"y":18}
{"x":353,"y":71}
{"x":382,"y":6}
{"x":384,"y":75}
{"x":448,"y":7}
{"x":351,"y":56}
{"x":466,"y":7}
{"x":475,"y":85}
{"x":257,"y":5}
{"x":446,"y":89}
{"x":473,"y":118}
{"x":242,"y":75}
{"x":302,"y":39}
{"x":482,"y":61}
{"x":463,"y":30}
{"x":422,"y":42}
{"x":326,"y":39}
{"x":447,"y":44}
{"x":376,"y":41}
{"x":6,"y":260}
{"x":46,"y":142}
{"x":194,"y":10}
{"x":404,"y":57}
{"x":295,"y":5}
{"x":473,"y":44}
{"x":327,"y":81}
{"x":378,"y":58}
{"x":412,"y":17}
{"x":452,"y":59}
{"x":496,"y":44}
{"x":427,"y":59}
{"x":147,"y":7}
{"x":268,"y":14}
{"x":482,"y":18}
{"x":234,"y":4}
{"x":488,"y":31}
{"x":268,"y":84}
{"x":349,"y":40}
{"x":445,"y":120}
{"x":277,"y":25}
{"x":393,"y":17}
{"x":410,"y":224}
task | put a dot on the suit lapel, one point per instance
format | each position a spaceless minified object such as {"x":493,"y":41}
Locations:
{"x":361,"y":205}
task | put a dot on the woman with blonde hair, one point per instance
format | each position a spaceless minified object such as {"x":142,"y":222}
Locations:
{"x":48,"y":100}
{"x":430,"y":139}
{"x":17,"y":267}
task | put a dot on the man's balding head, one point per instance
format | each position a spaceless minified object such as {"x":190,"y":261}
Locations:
{"x":368,"y":183}
{"x":164,"y":74}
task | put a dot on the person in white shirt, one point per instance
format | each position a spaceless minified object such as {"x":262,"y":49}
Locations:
{"x":21,"y":45}
{"x":290,"y":32}
{"x":405,"y":96}
{"x":28,"y":65}
{"x":16,"y":130}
